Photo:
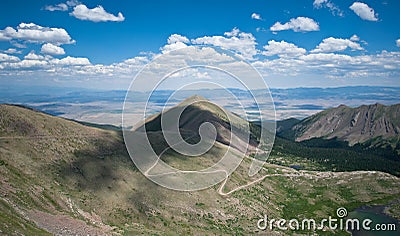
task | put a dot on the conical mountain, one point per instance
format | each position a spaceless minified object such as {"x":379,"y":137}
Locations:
{"x":197,"y":110}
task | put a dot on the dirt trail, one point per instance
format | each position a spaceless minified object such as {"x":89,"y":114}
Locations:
{"x":222,"y":186}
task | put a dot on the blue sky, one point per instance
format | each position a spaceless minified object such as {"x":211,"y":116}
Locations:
{"x":102,"y":44}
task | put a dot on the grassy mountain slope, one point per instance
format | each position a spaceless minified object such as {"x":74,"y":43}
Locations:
{"x":198,"y":110}
{"x":376,"y":125}
{"x":62,"y":177}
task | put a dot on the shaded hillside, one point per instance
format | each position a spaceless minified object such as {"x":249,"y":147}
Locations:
{"x":60,"y":177}
{"x":373,"y":125}
{"x":196,"y":110}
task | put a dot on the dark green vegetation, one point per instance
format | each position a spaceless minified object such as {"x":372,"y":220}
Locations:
{"x":333,"y":155}
{"x":63,"y":177}
{"x":337,"y":152}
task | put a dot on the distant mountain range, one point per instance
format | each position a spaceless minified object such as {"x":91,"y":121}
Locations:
{"x":105,"y":107}
{"x":22,"y":94}
{"x":370,"y":125}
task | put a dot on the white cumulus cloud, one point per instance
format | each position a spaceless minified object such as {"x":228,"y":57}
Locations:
{"x":233,"y":33}
{"x":72,"y":3}
{"x":355,"y":38}
{"x":72,"y":61}
{"x":256,"y":16}
{"x":12,"y":51}
{"x":364,"y":11}
{"x":277,"y":59}
{"x":172,"y":47}
{"x":175,"y":42}
{"x":33,"y":56}
{"x":332,"y":65}
{"x":336,"y":45}
{"x":97,"y":14}
{"x":299,"y":24}
{"x":174,"y":38}
{"x":319,"y":3}
{"x":282,"y":49}
{"x":237,"y":41}
{"x":7,"y":58}
{"x":26,"y":64}
{"x":33,"y":33}
{"x":52,"y":49}
{"x":58,"y":7}
{"x":335,"y":10}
